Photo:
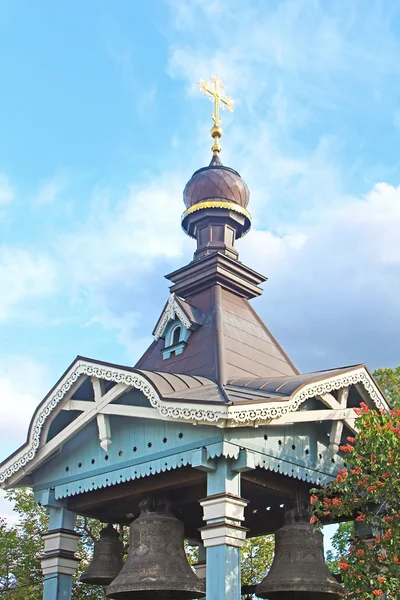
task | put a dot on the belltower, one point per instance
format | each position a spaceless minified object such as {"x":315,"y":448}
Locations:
{"x":208,"y":327}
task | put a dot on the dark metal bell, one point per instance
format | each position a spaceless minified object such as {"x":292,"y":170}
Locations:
{"x":299,"y":571}
{"x":156,"y":567}
{"x":107,"y":558}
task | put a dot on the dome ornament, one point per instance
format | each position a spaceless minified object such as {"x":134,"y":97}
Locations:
{"x":214,"y":91}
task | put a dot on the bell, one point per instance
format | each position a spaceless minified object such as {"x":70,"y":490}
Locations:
{"x":156,"y":567}
{"x":107,"y":558}
{"x":299,"y":571}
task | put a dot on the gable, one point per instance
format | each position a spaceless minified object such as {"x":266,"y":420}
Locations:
{"x":139,"y":447}
{"x":130,"y":394}
{"x":176,"y":309}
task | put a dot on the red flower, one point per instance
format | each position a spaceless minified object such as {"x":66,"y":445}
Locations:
{"x":313,"y":520}
{"x":388,"y":535}
{"x":361,"y":517}
{"x":336,"y":502}
{"x":388,"y":519}
{"x":360,"y":552}
{"x":313,"y":499}
{"x":356,"y":471}
{"x":343,"y":565}
{"x":364,"y":407}
{"x":351,"y":440}
{"x":339,"y":479}
{"x":381,"y":579}
{"x":358,"y":412}
{"x":396,"y":560}
{"x":346,"y":448}
{"x":371,"y":488}
{"x":377,"y":592}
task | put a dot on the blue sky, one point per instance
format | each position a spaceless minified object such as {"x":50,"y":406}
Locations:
{"x":101,"y":125}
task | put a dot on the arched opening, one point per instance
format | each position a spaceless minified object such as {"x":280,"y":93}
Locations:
{"x":176,"y":335}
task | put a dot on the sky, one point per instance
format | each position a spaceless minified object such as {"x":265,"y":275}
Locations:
{"x":101,"y":125}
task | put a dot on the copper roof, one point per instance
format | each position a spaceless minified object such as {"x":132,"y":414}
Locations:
{"x":231,"y":342}
{"x":216,"y":182}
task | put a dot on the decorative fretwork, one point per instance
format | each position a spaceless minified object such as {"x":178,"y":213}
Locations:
{"x":171,"y":311}
{"x":221,"y":415}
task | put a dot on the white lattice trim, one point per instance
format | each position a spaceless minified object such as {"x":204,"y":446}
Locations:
{"x":225,"y":415}
{"x":261,"y":414}
{"x":136,"y":380}
{"x":171,"y":311}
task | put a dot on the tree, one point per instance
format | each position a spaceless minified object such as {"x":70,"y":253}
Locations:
{"x":368,"y":491}
{"x":340,"y":544}
{"x":389,"y":380}
{"x":256,"y":558}
{"x":21,"y":548}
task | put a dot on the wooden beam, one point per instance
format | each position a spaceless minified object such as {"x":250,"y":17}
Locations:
{"x":268,"y":481}
{"x":57,"y":410}
{"x":330,"y":401}
{"x":152,"y":484}
{"x":305,"y":416}
{"x":78,"y":424}
{"x":337,"y":427}
{"x":103,"y":423}
{"x":122,"y":410}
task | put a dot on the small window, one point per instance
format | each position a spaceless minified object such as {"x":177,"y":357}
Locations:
{"x":176,"y":335}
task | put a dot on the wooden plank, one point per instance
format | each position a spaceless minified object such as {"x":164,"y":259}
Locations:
{"x":306,"y":416}
{"x":271,"y":482}
{"x":76,"y":425}
{"x":161,"y":481}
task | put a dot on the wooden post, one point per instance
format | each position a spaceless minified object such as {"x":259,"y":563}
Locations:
{"x":60,"y":542}
{"x":223,"y":535}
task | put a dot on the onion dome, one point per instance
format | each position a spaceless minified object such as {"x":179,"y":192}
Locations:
{"x":216,"y":182}
{"x":218,"y":190}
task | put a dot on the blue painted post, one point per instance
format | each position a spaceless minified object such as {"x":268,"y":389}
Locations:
{"x":60,"y":542}
{"x":223,"y":536}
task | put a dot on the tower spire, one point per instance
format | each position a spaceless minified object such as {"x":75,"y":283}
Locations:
{"x":215,"y":91}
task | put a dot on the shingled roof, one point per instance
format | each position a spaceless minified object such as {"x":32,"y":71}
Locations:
{"x":231,"y":342}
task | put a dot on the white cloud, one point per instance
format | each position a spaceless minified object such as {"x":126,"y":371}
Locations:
{"x":24,"y":276}
{"x":112,"y":259}
{"x":7,"y":191}
{"x":124,"y":238}
{"x":50,"y":191}
{"x":334,"y":288}
{"x":23,"y":384}
{"x":254,"y":46}
{"x":6,"y":510}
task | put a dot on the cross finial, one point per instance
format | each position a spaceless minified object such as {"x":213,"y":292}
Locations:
{"x":215,"y":91}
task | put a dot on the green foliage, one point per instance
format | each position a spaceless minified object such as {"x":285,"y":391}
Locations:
{"x":21,"y":548}
{"x":368,"y":490}
{"x":389,"y":380}
{"x":340,"y":545}
{"x":256,"y":558}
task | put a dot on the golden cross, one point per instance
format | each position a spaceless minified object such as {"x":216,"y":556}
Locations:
{"x":215,"y":92}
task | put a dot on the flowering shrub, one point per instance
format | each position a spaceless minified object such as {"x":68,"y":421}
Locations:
{"x":368,"y":491}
